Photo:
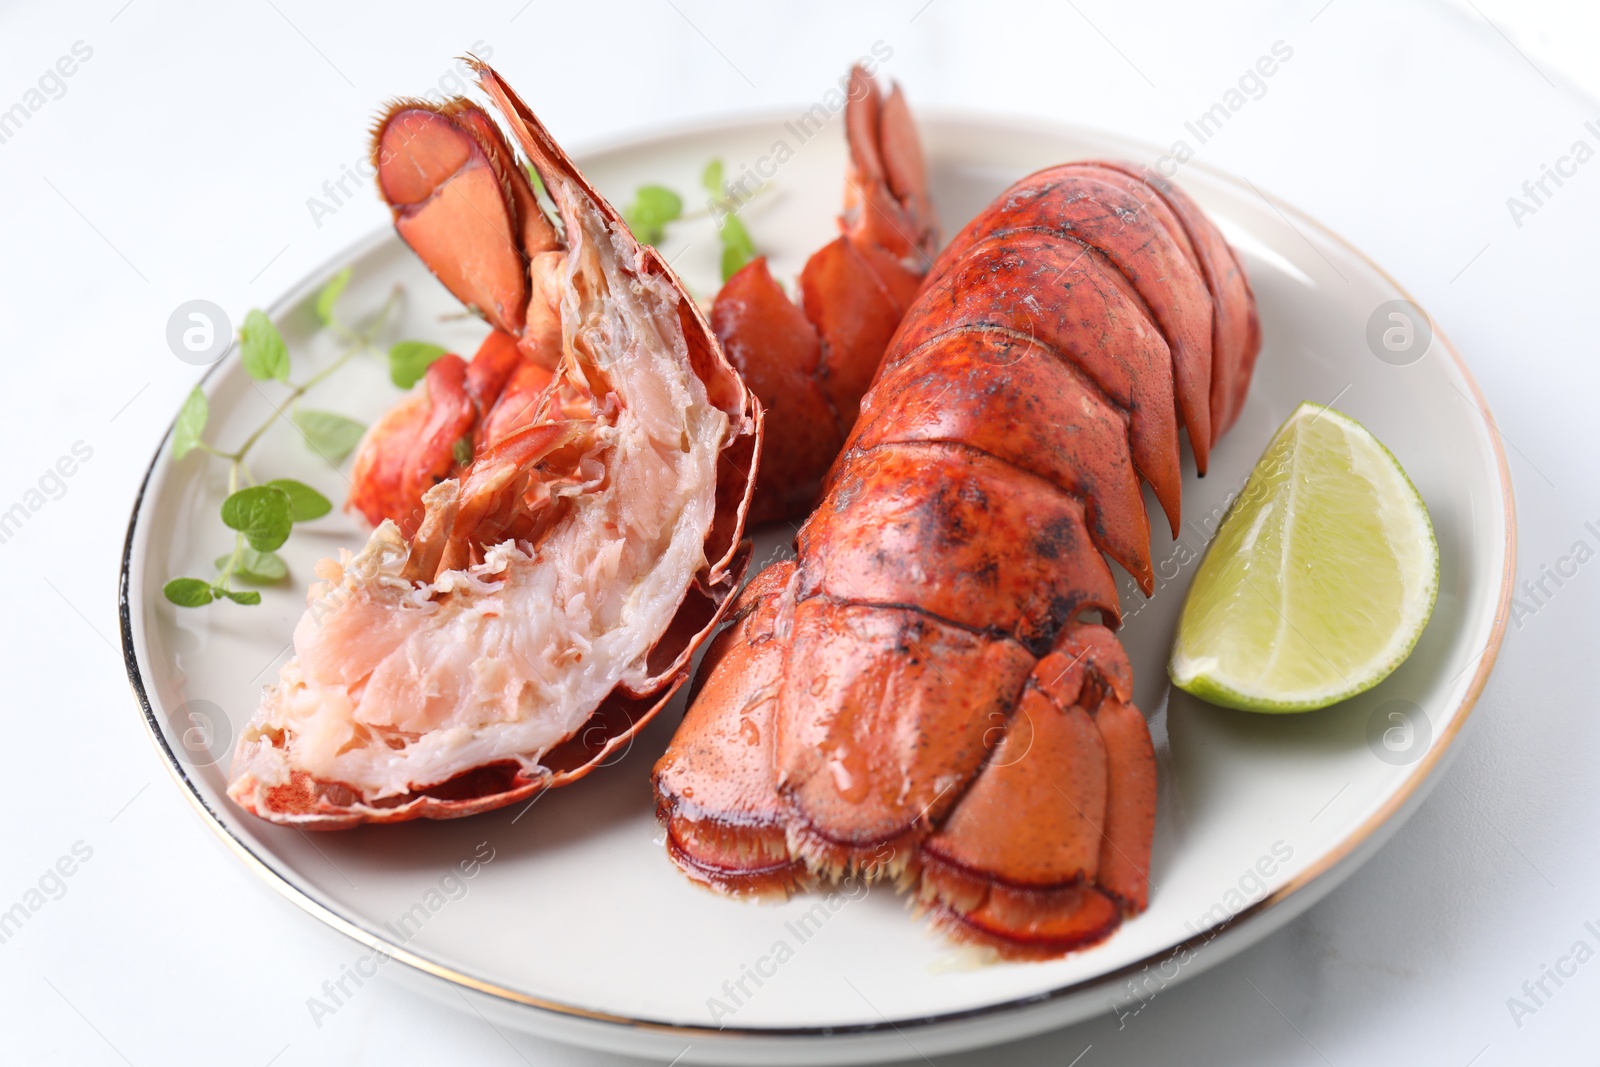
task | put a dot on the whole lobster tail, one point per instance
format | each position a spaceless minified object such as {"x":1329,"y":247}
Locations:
{"x":810,"y":365}
{"x":944,"y":713}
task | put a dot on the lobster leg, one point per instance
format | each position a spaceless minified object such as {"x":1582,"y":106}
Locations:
{"x":1059,"y":879}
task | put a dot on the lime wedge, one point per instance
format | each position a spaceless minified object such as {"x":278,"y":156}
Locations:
{"x":1320,"y":580}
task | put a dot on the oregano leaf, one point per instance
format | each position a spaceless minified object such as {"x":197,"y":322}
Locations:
{"x":261,"y":347}
{"x":262,"y":513}
{"x":188,"y":592}
{"x":737,"y":248}
{"x":330,"y":436}
{"x":329,"y":296}
{"x":410,"y":360}
{"x":258,"y":568}
{"x":711,"y":177}
{"x":191,"y":423}
{"x":305,"y":503}
{"x":653,"y":207}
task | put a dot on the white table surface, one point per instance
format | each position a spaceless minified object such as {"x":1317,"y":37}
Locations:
{"x":177,"y":163}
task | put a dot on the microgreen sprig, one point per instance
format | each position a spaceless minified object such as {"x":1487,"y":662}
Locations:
{"x":263,"y":514}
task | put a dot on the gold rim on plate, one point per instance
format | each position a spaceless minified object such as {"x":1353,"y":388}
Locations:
{"x":1325,"y":864}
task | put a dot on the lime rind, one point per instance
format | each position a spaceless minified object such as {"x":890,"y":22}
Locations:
{"x":1233,"y":633}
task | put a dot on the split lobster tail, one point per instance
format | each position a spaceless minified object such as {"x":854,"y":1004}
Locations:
{"x":546,"y":600}
{"x":810,"y":363}
{"x":920,"y":697}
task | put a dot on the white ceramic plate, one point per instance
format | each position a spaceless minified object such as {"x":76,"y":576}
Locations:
{"x":579,"y":928}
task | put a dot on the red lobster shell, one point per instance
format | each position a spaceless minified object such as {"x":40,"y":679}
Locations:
{"x":551,"y":597}
{"x":917,"y":696}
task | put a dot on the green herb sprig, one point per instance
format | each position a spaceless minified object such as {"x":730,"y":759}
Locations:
{"x":410,"y":360}
{"x":654,"y":207}
{"x":263,"y":514}
{"x":737,"y":248}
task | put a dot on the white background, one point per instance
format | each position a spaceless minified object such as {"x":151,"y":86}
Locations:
{"x":177,"y":165}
